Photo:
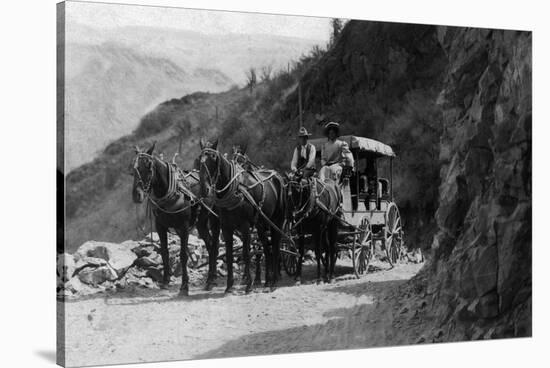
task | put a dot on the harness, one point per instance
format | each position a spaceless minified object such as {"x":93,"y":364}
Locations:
{"x":178,"y":186}
{"x":311,"y":207}
{"x":235,"y":191}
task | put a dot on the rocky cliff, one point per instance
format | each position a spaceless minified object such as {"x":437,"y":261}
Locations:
{"x":480,"y":277}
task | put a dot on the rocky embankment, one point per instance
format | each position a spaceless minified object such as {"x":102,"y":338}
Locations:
{"x":102,"y":267}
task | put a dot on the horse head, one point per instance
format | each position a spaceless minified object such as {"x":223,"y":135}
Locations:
{"x":298,"y":193}
{"x":239,"y":155}
{"x":143,"y":171}
{"x":209,"y":166}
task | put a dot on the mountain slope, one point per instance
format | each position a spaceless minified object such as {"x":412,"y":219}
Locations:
{"x":108,"y":88}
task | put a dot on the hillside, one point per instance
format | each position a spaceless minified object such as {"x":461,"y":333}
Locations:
{"x":108,"y":88}
{"x":454,"y":103}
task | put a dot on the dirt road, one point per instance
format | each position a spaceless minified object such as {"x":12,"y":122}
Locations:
{"x":154,"y":325}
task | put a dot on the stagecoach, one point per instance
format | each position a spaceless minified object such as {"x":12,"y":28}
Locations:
{"x":370,"y":213}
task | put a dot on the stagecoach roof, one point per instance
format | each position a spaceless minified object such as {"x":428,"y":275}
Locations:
{"x":360,"y":144}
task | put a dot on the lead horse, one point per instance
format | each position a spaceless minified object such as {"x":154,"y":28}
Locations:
{"x":174,"y":196}
{"x":245,"y":199}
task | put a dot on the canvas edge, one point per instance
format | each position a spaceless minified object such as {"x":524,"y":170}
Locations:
{"x":60,"y":175}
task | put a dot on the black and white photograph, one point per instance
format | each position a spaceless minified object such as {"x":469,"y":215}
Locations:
{"x":245,"y":183}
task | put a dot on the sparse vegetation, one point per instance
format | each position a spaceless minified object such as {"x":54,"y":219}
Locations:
{"x":251,"y":78}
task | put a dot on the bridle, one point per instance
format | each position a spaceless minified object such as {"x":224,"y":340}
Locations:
{"x":146,"y":187}
{"x":213,"y":179}
{"x":300,"y":214}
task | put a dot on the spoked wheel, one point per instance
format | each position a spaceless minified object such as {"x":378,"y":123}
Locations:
{"x":289,"y":253}
{"x":393,"y":234}
{"x":362,"y":248}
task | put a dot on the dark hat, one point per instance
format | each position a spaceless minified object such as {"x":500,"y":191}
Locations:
{"x":332,"y":125}
{"x":303,"y":132}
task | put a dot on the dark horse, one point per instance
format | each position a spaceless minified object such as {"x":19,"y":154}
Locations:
{"x":314,"y":208}
{"x":174,"y":197}
{"x":240,"y":195}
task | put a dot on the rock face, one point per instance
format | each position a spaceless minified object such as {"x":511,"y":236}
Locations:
{"x":481,"y":269}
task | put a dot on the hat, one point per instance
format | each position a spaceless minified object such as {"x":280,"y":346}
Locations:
{"x":332,"y":125}
{"x":303,"y":132}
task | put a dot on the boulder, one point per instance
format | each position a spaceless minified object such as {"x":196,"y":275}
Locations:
{"x":152,"y":260}
{"x":152,"y":237}
{"x":89,"y":262}
{"x":155,"y":273}
{"x":65,"y":267}
{"x":97,"y":276}
{"x":93,"y":249}
{"x":75,"y":287}
{"x":119,"y":256}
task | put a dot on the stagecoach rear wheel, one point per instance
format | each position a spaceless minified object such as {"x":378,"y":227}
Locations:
{"x":393,"y":234}
{"x":289,"y":253}
{"x":362,"y":248}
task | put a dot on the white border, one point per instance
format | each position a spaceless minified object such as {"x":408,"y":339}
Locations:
{"x":28,"y":202}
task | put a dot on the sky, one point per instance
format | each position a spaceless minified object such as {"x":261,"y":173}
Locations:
{"x":203,"y":21}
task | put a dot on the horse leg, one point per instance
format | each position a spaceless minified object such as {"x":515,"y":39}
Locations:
{"x":301,"y":250}
{"x":228,"y":236}
{"x":262,"y":236}
{"x":214,"y":223}
{"x":245,"y":231}
{"x":332,"y":234}
{"x":183,"y":233}
{"x":318,"y":255}
{"x":328,"y":252}
{"x":204,"y":234}
{"x":162,"y":232}
{"x":258,"y":262}
{"x":275,"y":243}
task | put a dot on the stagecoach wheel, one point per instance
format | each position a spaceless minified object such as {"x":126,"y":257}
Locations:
{"x":290,"y":261}
{"x":362,"y":248}
{"x":393,"y":234}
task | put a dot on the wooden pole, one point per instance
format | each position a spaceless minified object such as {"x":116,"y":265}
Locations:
{"x":300,"y":103}
{"x":391,"y":178}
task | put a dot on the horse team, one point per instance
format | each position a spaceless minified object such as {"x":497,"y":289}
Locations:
{"x":225,"y":194}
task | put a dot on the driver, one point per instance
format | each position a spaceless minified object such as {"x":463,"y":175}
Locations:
{"x":303,"y":158}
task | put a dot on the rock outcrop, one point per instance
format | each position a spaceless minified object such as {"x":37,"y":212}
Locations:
{"x":480,"y":275}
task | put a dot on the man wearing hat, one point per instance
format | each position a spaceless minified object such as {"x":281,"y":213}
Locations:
{"x":335,"y":154}
{"x":303,"y":158}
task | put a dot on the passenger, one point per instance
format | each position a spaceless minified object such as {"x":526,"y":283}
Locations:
{"x":335,"y":154}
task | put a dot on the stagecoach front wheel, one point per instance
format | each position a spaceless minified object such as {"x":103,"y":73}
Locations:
{"x":393,"y":234}
{"x":362,"y":248}
{"x":289,"y":252}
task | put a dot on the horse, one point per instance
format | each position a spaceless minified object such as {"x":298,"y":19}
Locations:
{"x":314,"y":207}
{"x":245,"y":199}
{"x":239,"y":156}
{"x":174,"y":197}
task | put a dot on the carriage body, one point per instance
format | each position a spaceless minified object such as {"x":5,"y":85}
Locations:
{"x":369,"y":210}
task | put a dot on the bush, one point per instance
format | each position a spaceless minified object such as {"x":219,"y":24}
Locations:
{"x":153,"y":122}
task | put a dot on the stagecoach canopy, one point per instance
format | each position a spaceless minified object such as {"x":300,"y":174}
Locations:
{"x":360,"y":144}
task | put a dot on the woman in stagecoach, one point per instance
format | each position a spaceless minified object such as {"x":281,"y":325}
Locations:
{"x":335,"y":154}
{"x":303,"y":158}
